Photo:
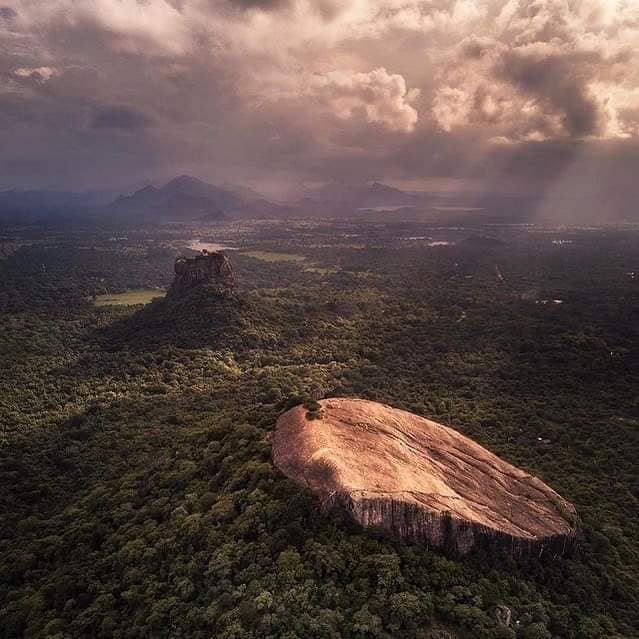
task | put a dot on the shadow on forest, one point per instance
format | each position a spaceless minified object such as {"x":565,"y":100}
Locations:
{"x":199,"y":319}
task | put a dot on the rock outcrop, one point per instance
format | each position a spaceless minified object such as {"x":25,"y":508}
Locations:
{"x":420,"y":480}
{"x":503,"y":615}
{"x":209,"y":268}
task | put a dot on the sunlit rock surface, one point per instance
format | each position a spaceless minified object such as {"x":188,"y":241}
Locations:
{"x":423,"y":481}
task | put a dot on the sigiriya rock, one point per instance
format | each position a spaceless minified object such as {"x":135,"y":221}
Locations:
{"x":206,"y":269}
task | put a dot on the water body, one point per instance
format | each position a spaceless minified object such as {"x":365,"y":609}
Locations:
{"x":381,"y":209}
{"x":199,"y":245}
{"x":431,"y":242}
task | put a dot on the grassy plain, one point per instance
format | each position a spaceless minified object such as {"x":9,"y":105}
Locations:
{"x":274,"y":256}
{"x":129,"y":298}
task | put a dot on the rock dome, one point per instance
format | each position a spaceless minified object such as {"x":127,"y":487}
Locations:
{"x":425,"y":482}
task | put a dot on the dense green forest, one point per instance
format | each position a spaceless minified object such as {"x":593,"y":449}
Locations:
{"x":138,"y":496}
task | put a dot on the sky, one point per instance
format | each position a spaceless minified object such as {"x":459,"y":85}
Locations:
{"x":508,"y":95}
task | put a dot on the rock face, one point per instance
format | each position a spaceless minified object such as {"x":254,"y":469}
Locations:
{"x":423,"y":481}
{"x":205,"y":269}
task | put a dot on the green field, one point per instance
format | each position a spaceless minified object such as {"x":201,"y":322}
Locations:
{"x":129,"y":298}
{"x":273,"y":256}
{"x":322,"y":270}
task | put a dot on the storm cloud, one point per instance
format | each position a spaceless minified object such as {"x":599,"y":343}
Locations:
{"x":119,"y":116}
{"x":264,"y":5}
{"x":7,"y":13}
{"x":515,"y":91}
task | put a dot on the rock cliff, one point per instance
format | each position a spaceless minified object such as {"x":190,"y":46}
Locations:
{"x":205,"y":269}
{"x":420,"y":480}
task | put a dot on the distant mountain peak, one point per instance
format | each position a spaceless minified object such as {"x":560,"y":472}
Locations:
{"x":184,"y":181}
{"x":188,"y":198}
{"x":380,"y":187}
{"x":362,"y":195}
{"x":149,"y":188}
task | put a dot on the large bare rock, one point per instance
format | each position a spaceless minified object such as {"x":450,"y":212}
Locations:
{"x":423,"y":481}
{"x":208,"y":268}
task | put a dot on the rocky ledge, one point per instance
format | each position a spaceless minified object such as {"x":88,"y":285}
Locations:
{"x":425,"y":482}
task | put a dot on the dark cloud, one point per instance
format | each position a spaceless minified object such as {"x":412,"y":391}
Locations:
{"x":329,"y":9}
{"x":264,"y":5}
{"x":559,"y":82}
{"x":120,"y":116}
{"x":474,"y":47}
{"x":7,"y":13}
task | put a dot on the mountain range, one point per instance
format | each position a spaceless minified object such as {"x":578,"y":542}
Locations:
{"x":373,"y":195}
{"x":186,"y":198}
{"x":189,"y":199}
